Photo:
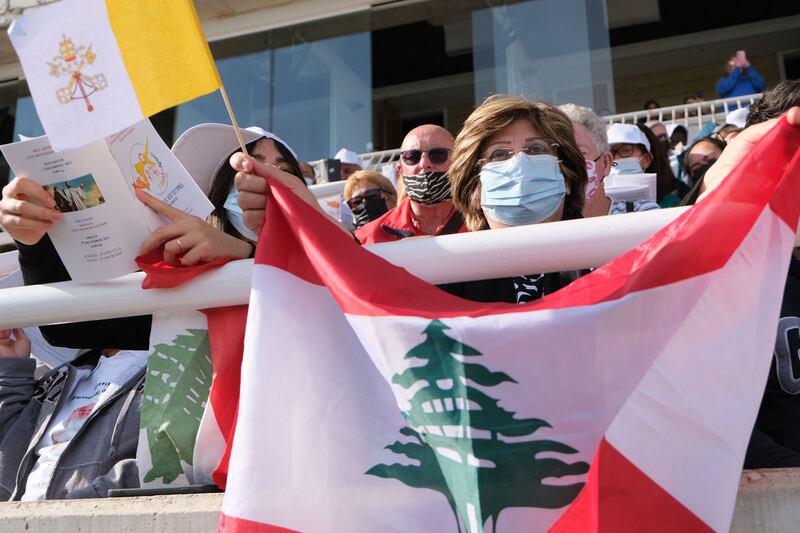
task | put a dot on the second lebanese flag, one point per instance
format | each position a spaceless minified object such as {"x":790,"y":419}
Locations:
{"x":372,"y":401}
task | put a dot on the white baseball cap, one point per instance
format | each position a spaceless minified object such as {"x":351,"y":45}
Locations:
{"x":627,"y":134}
{"x":348,"y":157}
{"x":203,"y":149}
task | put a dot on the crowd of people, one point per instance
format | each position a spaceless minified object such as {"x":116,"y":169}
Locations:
{"x":73,"y":432}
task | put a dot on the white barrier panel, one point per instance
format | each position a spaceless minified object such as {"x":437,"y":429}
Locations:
{"x":8,"y":262}
{"x":322,"y":190}
{"x":552,"y":247}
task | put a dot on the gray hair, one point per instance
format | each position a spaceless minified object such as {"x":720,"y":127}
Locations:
{"x":589,"y":120}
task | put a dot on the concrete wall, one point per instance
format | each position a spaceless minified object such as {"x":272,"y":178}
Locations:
{"x":768,"y":502}
{"x":195,"y":513}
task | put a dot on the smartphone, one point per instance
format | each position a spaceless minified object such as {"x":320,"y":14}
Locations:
{"x":741,"y":57}
{"x":331,"y":170}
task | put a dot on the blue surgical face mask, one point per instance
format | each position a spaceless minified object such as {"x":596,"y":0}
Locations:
{"x":626,"y":165}
{"x":235,"y":216}
{"x":525,"y":189}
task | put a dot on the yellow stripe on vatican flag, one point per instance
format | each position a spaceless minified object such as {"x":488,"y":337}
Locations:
{"x":164,"y":51}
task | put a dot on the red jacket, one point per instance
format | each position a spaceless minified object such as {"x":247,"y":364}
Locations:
{"x":398,"y":223}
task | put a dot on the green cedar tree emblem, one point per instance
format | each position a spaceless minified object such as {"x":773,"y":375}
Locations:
{"x":469,"y":448}
{"x":174,"y":397}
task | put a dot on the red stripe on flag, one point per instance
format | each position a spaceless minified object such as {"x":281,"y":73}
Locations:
{"x":786,"y":198}
{"x":232,"y":524}
{"x":297,"y":239}
{"x":620,"y":497}
{"x":226,"y":337}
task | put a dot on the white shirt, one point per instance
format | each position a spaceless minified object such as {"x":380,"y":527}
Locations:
{"x":90,"y":390}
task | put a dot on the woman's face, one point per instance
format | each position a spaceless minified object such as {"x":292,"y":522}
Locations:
{"x":517,"y":136}
{"x":267,"y":152}
{"x":362,"y":187}
{"x":702,"y":153}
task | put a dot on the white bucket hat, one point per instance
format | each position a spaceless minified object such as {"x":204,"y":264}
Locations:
{"x":627,"y":134}
{"x":204,"y":148}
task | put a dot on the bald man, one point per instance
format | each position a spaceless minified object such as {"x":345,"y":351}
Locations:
{"x":427,"y":209}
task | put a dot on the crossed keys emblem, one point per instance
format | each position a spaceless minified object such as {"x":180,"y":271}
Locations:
{"x":70,"y":62}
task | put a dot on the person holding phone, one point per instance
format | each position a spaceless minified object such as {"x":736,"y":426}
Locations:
{"x":740,"y":78}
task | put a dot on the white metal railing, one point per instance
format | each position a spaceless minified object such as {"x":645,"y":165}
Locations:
{"x":375,"y":160}
{"x":369,"y":161}
{"x":557,"y":246}
{"x":693,"y":116}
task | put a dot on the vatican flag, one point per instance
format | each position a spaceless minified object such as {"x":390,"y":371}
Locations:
{"x":95,"y":67}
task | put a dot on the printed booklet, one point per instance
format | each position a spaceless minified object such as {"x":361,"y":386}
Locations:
{"x":104,"y":223}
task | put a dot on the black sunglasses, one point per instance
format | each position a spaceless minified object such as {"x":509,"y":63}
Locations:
{"x":436,"y":155}
{"x":356,"y":201}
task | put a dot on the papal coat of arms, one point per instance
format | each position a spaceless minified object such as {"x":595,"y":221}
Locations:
{"x":71,"y":62}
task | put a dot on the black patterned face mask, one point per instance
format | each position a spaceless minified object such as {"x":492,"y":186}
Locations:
{"x":369,"y":210}
{"x":428,"y":188}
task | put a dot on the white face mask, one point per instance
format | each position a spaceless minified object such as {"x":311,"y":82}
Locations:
{"x":525,"y":189}
{"x":626,"y":165}
{"x":593,"y":182}
{"x":236,"y":217}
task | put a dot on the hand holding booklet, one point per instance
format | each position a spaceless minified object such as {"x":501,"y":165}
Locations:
{"x":93,"y":186}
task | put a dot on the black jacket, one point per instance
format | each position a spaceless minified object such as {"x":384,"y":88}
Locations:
{"x":40,"y":263}
{"x":776,"y":437}
{"x":506,"y":290}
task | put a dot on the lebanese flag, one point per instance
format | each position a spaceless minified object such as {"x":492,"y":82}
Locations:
{"x":373,"y":401}
{"x":226,"y":339}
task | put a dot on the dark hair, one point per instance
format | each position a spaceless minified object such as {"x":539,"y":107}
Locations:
{"x":665,"y":179}
{"x":724,"y":130}
{"x":719,"y":143}
{"x":223,"y":181}
{"x":775,"y":102}
{"x":680,"y":129}
{"x":649,"y":103}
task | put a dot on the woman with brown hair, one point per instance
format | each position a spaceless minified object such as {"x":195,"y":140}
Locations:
{"x":515,"y":163}
{"x":368,"y":195}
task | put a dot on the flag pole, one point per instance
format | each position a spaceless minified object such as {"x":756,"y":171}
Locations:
{"x":233,"y":117}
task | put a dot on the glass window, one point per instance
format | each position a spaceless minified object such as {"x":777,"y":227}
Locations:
{"x":312,"y":89}
{"x":27,"y":121}
{"x":556,"y":50}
